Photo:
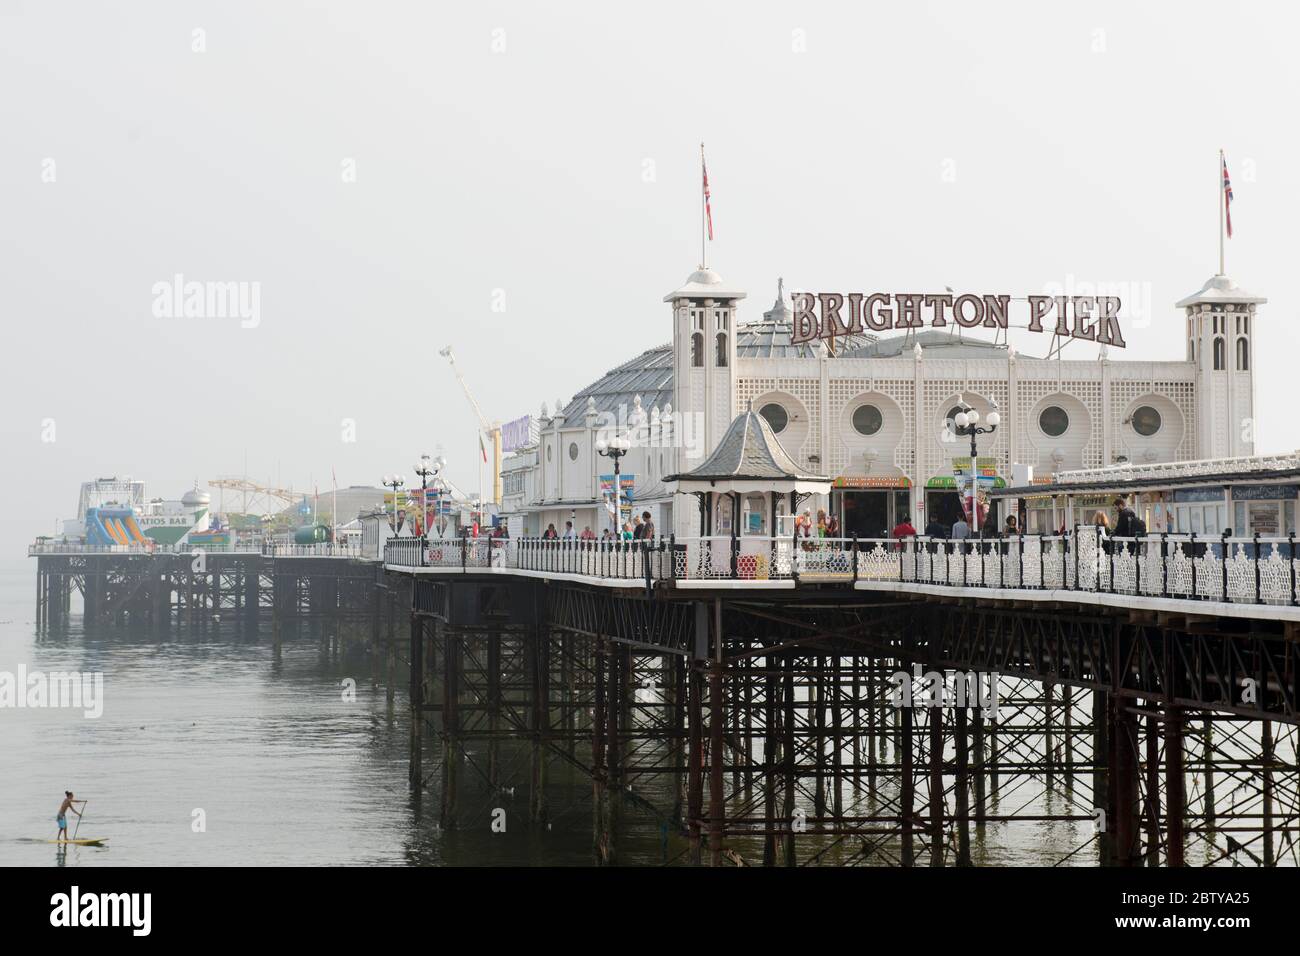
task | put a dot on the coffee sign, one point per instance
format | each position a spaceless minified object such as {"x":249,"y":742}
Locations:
{"x":825,"y":315}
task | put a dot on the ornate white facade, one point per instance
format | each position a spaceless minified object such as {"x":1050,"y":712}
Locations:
{"x":872,"y":412}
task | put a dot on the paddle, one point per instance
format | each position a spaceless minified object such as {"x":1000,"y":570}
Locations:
{"x":79,"y":816}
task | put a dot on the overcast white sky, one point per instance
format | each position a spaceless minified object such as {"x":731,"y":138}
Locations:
{"x":551,"y":151}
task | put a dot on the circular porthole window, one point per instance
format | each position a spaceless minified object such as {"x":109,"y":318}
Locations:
{"x":573,"y":451}
{"x":776,"y":416}
{"x":1146,"y":421}
{"x":1054,"y":421}
{"x":867,"y":420}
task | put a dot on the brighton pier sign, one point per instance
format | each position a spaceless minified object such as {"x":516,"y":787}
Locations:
{"x":825,"y":315}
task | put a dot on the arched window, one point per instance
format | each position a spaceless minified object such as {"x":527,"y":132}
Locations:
{"x":721,"y":326}
{"x":1220,"y":361}
{"x":1243,"y":355}
{"x":697,"y":350}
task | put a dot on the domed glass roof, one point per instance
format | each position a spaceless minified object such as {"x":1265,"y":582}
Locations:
{"x":649,"y":375}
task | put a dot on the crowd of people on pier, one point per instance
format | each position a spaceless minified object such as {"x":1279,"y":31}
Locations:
{"x":641,"y":527}
{"x":824,"y":530}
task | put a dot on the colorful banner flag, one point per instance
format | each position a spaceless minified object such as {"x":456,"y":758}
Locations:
{"x":626,"y":491}
{"x":983,"y":477}
{"x":516,"y":434}
{"x":1227,"y":193}
{"x":708,"y":208}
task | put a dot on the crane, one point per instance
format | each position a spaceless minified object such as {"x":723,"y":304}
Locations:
{"x":491,"y":430}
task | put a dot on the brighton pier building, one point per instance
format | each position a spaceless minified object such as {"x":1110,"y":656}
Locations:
{"x":872,"y":413}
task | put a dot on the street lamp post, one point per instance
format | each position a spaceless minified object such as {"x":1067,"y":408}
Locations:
{"x":615,"y":449}
{"x":427,"y":468}
{"x":966,"y":422}
{"x":395,"y":482}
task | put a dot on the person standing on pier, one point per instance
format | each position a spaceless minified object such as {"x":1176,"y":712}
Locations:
{"x":647,"y":526}
{"x":936,"y":532}
{"x":67,"y":804}
{"x":1128,"y":524}
{"x":902,"y":531}
{"x":961,"y":532}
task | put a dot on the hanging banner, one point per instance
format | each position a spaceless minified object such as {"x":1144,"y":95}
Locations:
{"x":626,"y":489}
{"x":436,"y":500}
{"x":982,"y":475}
{"x":437,"y":505}
{"x":517,"y":434}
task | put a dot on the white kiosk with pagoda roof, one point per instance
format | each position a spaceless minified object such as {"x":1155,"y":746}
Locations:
{"x":745,"y":488}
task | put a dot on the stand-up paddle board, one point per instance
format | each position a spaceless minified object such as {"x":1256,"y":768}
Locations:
{"x":82,"y":842}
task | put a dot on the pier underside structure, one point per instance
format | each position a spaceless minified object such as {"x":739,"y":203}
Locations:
{"x":744,"y":728}
{"x":342,"y":602}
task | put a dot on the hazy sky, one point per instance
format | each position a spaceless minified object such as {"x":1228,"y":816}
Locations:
{"x":388,"y":173}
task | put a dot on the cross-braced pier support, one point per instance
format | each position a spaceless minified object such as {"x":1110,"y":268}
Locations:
{"x":736,"y":731}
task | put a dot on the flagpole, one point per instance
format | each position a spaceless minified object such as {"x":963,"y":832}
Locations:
{"x":1223,"y":200}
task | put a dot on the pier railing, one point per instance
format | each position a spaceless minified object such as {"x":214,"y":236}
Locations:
{"x":599,"y":559}
{"x":62,"y":547}
{"x":267,"y":549}
{"x":318,"y":550}
{"x":1222,"y":568}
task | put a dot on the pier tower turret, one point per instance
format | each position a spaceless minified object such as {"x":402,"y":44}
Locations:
{"x":1220,"y":330}
{"x":704,"y":362}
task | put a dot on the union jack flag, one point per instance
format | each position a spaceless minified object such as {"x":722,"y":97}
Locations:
{"x":708,"y":209}
{"x":1227,"y":193}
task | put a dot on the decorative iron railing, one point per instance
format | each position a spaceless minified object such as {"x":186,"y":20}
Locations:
{"x":1253,"y":570}
{"x":270,"y":549}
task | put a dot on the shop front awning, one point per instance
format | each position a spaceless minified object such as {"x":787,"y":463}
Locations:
{"x":1120,"y":486}
{"x":871,"y":482}
{"x":949,"y":483}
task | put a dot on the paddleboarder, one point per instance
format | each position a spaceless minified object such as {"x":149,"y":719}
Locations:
{"x":67,"y":804}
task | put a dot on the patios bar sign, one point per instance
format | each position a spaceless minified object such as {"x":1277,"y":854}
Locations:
{"x":824,"y":315}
